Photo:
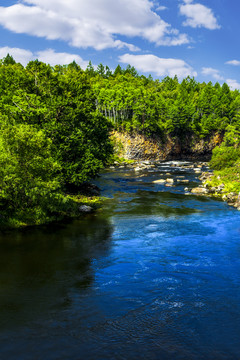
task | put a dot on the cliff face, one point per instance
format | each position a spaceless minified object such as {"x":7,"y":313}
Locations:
{"x":189,"y":147}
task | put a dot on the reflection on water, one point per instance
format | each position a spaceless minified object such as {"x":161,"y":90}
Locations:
{"x":154,"y":275}
{"x":38,"y":267}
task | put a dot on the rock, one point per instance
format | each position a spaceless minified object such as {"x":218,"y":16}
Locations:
{"x":199,"y":191}
{"x":212,"y":190}
{"x":85,"y":209}
{"x":170,"y":181}
{"x":220,"y":188}
{"x":231,"y":199}
{"x":160,"y":181}
{"x":205,"y":176}
{"x":185,"y":181}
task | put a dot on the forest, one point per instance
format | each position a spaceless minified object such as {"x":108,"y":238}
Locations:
{"x":56,"y":124}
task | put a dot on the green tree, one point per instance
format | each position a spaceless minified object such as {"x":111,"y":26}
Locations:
{"x":30,"y":184}
{"x":8,"y":60}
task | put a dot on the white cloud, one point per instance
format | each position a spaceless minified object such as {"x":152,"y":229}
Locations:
{"x":161,"y":8}
{"x":212,"y":72}
{"x":233,"y":84}
{"x":92,"y":23}
{"x":159,"y":66}
{"x":233,"y":62}
{"x":198,"y":15}
{"x":48,"y":56}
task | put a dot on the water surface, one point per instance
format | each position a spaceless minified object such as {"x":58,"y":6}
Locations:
{"x":154,"y":275}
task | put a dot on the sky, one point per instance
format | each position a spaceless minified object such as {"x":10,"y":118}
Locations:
{"x":199,"y":38}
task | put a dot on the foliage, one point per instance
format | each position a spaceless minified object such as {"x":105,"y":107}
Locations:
{"x":61,"y":103}
{"x":136,"y":103}
{"x":52,"y":138}
{"x":226,"y":161}
{"x":228,"y":153}
{"x":29,"y":176}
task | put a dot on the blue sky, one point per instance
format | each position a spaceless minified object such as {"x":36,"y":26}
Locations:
{"x":199,"y":38}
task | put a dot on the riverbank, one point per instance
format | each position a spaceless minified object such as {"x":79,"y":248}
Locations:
{"x":73,"y":206}
{"x":222,"y":184}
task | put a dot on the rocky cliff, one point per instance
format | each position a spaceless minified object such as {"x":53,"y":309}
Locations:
{"x":187,"y":147}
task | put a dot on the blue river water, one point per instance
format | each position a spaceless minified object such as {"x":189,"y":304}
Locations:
{"x":154,"y":275}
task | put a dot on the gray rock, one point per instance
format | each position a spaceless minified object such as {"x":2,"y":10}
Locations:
{"x":85,"y":209}
{"x":212,"y":190}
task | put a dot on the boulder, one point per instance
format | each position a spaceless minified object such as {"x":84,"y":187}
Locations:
{"x":199,"y":191}
{"x":85,"y":209}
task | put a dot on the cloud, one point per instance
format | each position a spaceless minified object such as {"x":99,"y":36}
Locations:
{"x":212,"y":72}
{"x":233,"y":62}
{"x":92,"y":23}
{"x":159,"y":66}
{"x":161,"y":8}
{"x":48,"y":56}
{"x":198,"y":15}
{"x":233,"y":84}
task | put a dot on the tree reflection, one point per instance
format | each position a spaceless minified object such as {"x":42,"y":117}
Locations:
{"x":44,"y":269}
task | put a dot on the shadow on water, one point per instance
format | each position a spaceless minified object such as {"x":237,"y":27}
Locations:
{"x":39,"y":268}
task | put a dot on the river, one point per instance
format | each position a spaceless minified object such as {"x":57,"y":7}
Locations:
{"x":154,"y":275}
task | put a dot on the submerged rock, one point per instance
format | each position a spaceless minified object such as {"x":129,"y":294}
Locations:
{"x":184,"y":181}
